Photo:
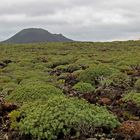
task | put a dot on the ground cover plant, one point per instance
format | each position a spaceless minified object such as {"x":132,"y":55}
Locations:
{"x":83,"y":87}
{"x":61,"y":116}
{"x":70,"y":91}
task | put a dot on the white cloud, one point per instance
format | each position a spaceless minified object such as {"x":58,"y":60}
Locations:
{"x":78,"y":19}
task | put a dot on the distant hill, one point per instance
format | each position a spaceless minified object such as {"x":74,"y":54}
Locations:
{"x":36,"y":35}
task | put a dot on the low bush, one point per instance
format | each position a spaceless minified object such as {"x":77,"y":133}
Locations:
{"x":19,"y":75}
{"x":68,"y":68}
{"x":72,"y":67}
{"x":120,"y":80}
{"x":61,"y":61}
{"x":83,"y":87}
{"x":4,"y":79}
{"x":78,"y":72}
{"x":95,"y":74}
{"x":8,"y":88}
{"x":32,"y":81}
{"x":137,"y":85}
{"x":132,"y":96}
{"x":62,"y":116}
{"x":32,"y":92}
{"x":63,"y":76}
{"x":84,"y":61}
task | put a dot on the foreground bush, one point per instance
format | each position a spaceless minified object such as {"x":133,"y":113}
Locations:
{"x":26,"y":93}
{"x":83,"y":87}
{"x":62,"y":116}
{"x":134,"y":97}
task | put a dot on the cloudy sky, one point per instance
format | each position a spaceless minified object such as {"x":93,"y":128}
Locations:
{"x":85,"y":20}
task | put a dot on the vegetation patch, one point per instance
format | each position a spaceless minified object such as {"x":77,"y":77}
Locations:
{"x":137,"y":85}
{"x":37,"y":75}
{"x":84,"y":87}
{"x":95,"y":74}
{"x":120,"y":80}
{"x":26,"y":93}
{"x":132,"y":96}
{"x":61,"y":116}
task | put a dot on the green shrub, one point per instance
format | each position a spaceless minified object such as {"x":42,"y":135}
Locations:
{"x":85,"y":61}
{"x":61,"y":61}
{"x":83,"y":87}
{"x":10,"y":85}
{"x":61,"y":68}
{"x":13,"y":118}
{"x":132,"y":96}
{"x":37,"y":76}
{"x":137,"y":85}
{"x":63,"y":76}
{"x":93,"y":74}
{"x":32,"y":81}
{"x":120,"y":80}
{"x":8,"y":88}
{"x":41,"y":67}
{"x":62,"y":115}
{"x":4,"y":79}
{"x":12,"y":67}
{"x":26,"y":93}
{"x":72,"y":67}
{"x":19,"y":75}
{"x":68,"y":68}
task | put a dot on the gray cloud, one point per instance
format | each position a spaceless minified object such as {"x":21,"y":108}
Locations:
{"x":91,"y":20}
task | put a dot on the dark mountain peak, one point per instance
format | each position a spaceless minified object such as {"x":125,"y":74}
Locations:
{"x":34,"y":30}
{"x":36,"y":35}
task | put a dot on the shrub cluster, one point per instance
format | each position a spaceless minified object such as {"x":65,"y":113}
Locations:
{"x":8,"y":88}
{"x":62,"y":116}
{"x":120,"y":80}
{"x":95,"y":74}
{"x":62,"y":61}
{"x":84,"y":87}
{"x":132,"y":96}
{"x":137,"y":85}
{"x":27,"y":93}
{"x":68,"y":68}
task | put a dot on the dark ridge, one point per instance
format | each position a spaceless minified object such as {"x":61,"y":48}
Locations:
{"x":36,"y":35}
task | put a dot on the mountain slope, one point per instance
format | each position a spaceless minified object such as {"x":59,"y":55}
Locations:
{"x":36,"y":35}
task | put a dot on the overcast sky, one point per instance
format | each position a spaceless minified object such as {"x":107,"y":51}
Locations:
{"x":91,"y":20}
